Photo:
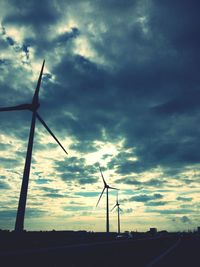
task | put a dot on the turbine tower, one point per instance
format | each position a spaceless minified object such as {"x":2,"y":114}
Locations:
{"x":33,"y":107}
{"x":106,"y":186}
{"x":118,"y":212}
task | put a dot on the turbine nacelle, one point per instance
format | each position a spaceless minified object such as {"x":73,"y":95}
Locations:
{"x":117,"y":204}
{"x":118,"y":211}
{"x":34,"y":106}
{"x":106,"y":186}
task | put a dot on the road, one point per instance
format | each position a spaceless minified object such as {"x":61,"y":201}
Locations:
{"x":156,"y":252}
{"x":185,"y":254}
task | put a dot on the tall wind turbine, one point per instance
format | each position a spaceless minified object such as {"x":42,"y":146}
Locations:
{"x":118,"y":212}
{"x":33,"y":107}
{"x":106,"y":186}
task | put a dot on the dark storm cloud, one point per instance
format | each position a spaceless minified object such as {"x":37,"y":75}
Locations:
{"x":9,"y":41}
{"x":87,"y":96}
{"x":161,"y":146}
{"x":67,"y":36}
{"x":15,"y":124}
{"x":36,"y":14}
{"x":76,"y":169}
{"x":146,"y":93}
{"x":180,"y":30}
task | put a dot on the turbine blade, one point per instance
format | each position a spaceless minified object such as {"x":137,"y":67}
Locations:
{"x":113,"y":188}
{"x":120,"y":209}
{"x":102,"y":176}
{"x":47,"y":128}
{"x":100,"y":196}
{"x":114,"y":207}
{"x":19,"y":107}
{"x":35,"y":97}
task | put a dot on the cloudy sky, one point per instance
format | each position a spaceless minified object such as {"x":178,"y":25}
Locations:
{"x":120,"y":89}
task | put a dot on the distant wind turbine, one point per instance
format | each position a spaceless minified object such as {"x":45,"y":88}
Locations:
{"x":106,"y":186}
{"x":118,"y":212}
{"x":33,"y":107}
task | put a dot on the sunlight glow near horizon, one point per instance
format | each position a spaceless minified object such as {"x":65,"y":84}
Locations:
{"x":103,"y":149}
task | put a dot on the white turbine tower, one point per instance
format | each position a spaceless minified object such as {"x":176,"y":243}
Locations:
{"x":33,"y":107}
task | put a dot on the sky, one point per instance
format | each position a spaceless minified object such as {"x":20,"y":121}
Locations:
{"x":121,"y":90}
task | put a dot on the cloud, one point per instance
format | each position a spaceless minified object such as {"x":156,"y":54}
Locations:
{"x":7,"y":214}
{"x":27,"y":13}
{"x":9,"y":162}
{"x":145,"y":198}
{"x":54,"y":195}
{"x":4,"y":185}
{"x":34,"y":213}
{"x":49,"y":190}
{"x":11,"y":214}
{"x":129,"y":181}
{"x":156,"y":203}
{"x":42,"y":181}
{"x":150,"y":183}
{"x":52,"y":192}
{"x":87,"y":194}
{"x":185,"y":199}
{"x":172,"y":211}
{"x":4,"y":147}
{"x":76,"y":170}
{"x":75,"y":208}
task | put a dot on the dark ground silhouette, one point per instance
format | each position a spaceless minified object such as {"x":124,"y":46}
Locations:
{"x":74,"y":249}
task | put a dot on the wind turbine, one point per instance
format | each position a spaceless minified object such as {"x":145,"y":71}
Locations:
{"x":33,"y":107}
{"x":118,"y":212}
{"x":106,"y":186}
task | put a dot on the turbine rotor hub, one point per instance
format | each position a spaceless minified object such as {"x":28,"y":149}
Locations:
{"x":34,"y":106}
